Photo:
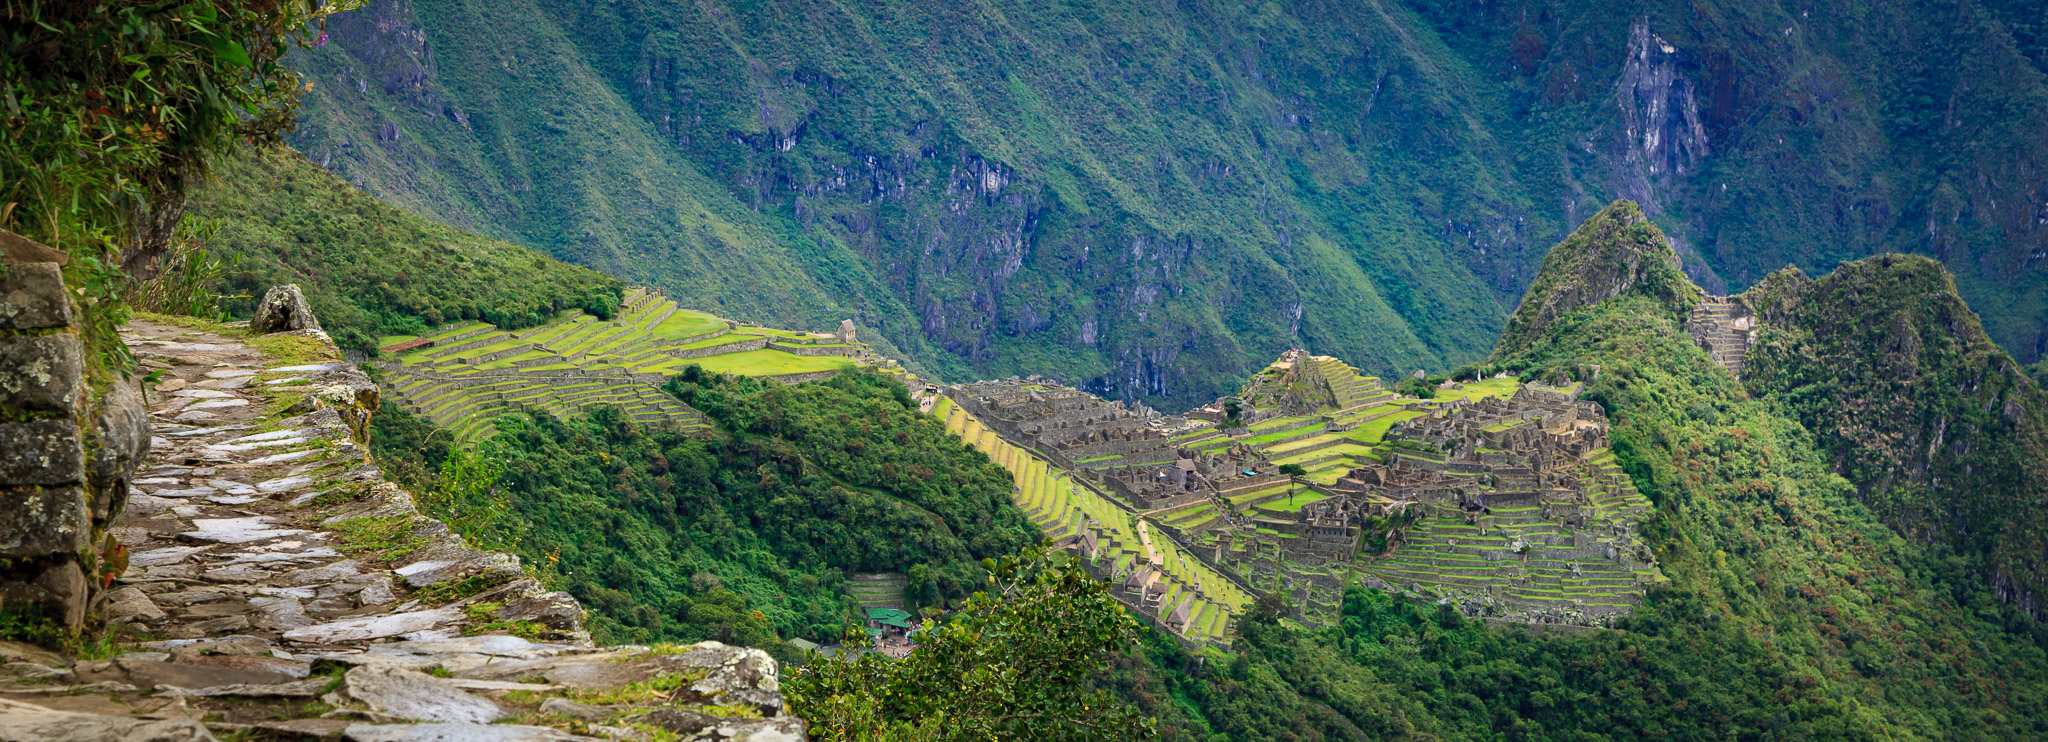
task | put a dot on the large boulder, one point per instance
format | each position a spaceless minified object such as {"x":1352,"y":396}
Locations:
{"x":283,"y":309}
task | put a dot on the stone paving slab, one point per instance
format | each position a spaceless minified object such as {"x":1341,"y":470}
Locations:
{"x":277,"y":587}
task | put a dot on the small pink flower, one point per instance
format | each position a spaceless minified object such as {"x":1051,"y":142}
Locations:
{"x":323,"y":39}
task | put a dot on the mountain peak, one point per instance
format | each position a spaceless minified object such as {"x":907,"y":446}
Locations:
{"x":1615,"y":253}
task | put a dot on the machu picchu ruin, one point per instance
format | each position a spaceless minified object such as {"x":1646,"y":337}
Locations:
{"x":1496,"y":496}
{"x":463,"y":376}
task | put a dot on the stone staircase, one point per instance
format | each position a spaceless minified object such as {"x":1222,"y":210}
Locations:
{"x":1724,"y":326}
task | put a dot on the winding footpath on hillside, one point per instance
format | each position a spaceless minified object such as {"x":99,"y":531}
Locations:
{"x":278,"y":588}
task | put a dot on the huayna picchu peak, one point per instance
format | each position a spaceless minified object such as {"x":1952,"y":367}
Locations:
{"x":641,"y":371}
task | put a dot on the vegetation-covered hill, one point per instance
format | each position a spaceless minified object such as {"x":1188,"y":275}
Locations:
{"x":1794,"y":611}
{"x":372,"y":269}
{"x":745,"y":535}
{"x":1615,"y":253}
{"x":1155,"y":199}
{"x":1942,"y":432}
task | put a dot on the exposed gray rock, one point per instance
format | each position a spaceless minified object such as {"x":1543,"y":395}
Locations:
{"x":412,"y":695}
{"x":42,"y":373}
{"x":456,"y":733}
{"x":13,"y":672}
{"x":238,"y":530}
{"x":573,"y":709}
{"x":40,"y":520}
{"x":18,"y":652}
{"x":60,"y":588}
{"x":130,"y":604}
{"x":187,"y":674}
{"x":283,"y":309}
{"x":697,"y":725}
{"x":123,"y":428}
{"x":32,"y":297}
{"x":307,"y":688}
{"x":22,"y":722}
{"x":374,"y":627}
{"x":45,"y":452}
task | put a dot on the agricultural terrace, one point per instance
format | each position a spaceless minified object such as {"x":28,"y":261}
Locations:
{"x":464,"y":376}
{"x":1148,"y":571}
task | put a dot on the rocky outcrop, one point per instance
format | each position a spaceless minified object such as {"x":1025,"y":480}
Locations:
{"x":1660,"y":121}
{"x":283,"y":309}
{"x":67,"y":449}
{"x":270,"y":567}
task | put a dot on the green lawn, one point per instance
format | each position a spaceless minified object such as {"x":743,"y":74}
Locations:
{"x":686,"y":323}
{"x":1302,"y":498}
{"x":1376,"y":430}
{"x":770,"y":363}
{"x":1288,"y":433}
{"x":1478,"y":390}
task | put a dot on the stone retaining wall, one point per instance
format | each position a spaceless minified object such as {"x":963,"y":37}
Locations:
{"x":496,"y":355}
{"x":67,"y":455}
{"x":810,"y":349}
{"x":721,"y":332}
{"x":717,"y":350}
{"x":801,"y":378}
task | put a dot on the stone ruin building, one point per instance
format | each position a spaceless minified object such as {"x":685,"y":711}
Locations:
{"x":1509,"y":507}
{"x":1124,"y":449}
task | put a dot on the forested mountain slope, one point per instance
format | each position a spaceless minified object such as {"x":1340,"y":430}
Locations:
{"x":746,"y":534}
{"x":369,"y":268}
{"x":1793,"y":612}
{"x":1942,"y":432}
{"x":1154,"y":199}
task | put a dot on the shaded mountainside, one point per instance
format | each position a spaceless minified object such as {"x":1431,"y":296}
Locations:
{"x":1157,"y":199}
{"x":1943,"y":433}
{"x":1793,"y":610}
{"x":372,"y":269}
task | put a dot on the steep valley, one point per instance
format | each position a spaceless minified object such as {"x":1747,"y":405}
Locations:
{"x":1156,"y":202}
{"x":395,"y":370}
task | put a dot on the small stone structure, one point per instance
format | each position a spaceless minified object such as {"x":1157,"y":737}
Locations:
{"x":67,"y":448}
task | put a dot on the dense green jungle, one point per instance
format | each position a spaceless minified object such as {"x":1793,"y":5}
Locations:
{"x":745,"y":537}
{"x":1154,"y":199}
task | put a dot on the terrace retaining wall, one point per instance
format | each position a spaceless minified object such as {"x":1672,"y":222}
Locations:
{"x":719,"y":350}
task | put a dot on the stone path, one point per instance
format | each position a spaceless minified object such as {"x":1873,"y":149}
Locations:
{"x":278,"y":588}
